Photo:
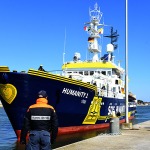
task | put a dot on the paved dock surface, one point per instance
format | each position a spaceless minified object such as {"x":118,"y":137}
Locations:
{"x":137,"y":138}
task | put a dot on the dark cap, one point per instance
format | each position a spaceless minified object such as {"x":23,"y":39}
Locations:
{"x":42,"y":93}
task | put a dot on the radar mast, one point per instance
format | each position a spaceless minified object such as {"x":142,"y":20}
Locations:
{"x":94,"y":32}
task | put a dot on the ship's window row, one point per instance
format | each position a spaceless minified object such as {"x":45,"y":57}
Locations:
{"x":90,"y":73}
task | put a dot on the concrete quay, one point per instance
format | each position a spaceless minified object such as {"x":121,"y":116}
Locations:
{"x":137,"y":138}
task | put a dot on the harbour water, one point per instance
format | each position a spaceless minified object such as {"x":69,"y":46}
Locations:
{"x":8,"y":140}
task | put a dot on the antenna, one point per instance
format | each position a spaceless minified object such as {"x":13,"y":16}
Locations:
{"x":64,"y":47}
{"x":113,"y":36}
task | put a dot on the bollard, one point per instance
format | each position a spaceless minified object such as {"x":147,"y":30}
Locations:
{"x":114,"y":125}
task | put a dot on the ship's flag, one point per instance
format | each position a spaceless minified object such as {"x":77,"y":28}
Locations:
{"x":87,"y":28}
{"x":101,"y":31}
{"x":90,"y":39}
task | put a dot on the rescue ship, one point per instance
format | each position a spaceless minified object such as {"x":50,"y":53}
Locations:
{"x":85,"y":94}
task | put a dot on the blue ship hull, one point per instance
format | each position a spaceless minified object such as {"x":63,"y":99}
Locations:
{"x":76,"y":103}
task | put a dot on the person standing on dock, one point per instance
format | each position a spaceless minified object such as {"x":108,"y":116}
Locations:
{"x":42,"y":124}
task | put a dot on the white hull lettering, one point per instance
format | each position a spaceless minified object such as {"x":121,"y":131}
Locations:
{"x":120,"y":109}
{"x":75,"y":93}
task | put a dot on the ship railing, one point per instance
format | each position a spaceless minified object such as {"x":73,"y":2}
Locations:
{"x":109,"y":93}
{"x":105,"y":93}
{"x":132,"y":104}
{"x":56,"y":72}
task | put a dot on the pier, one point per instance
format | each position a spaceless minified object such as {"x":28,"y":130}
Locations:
{"x":136,"y":138}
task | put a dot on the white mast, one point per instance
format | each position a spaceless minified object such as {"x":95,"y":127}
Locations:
{"x":95,"y":17}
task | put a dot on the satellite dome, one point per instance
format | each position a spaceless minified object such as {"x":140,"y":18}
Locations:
{"x":110,"y":48}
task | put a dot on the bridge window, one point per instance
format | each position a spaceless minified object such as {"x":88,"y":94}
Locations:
{"x":109,"y":73}
{"x":103,"y":72}
{"x":91,"y":72}
{"x":80,"y":72}
{"x":85,"y":73}
{"x":69,"y":72}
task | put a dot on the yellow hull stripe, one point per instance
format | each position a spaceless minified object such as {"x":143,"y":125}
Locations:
{"x":52,"y":76}
{"x":4,"y":69}
{"x":60,"y":78}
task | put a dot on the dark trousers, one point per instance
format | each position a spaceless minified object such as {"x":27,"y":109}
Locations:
{"x":39,"y":140}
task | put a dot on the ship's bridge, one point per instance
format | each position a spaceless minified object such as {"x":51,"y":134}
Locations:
{"x":89,"y":68}
{"x":97,"y":73}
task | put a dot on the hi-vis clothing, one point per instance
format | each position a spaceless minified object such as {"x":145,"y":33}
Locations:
{"x":41,"y":122}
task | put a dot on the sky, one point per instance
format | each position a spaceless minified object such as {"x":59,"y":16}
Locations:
{"x":33,"y":33}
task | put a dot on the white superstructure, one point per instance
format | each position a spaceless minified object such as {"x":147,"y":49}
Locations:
{"x":102,"y":72}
